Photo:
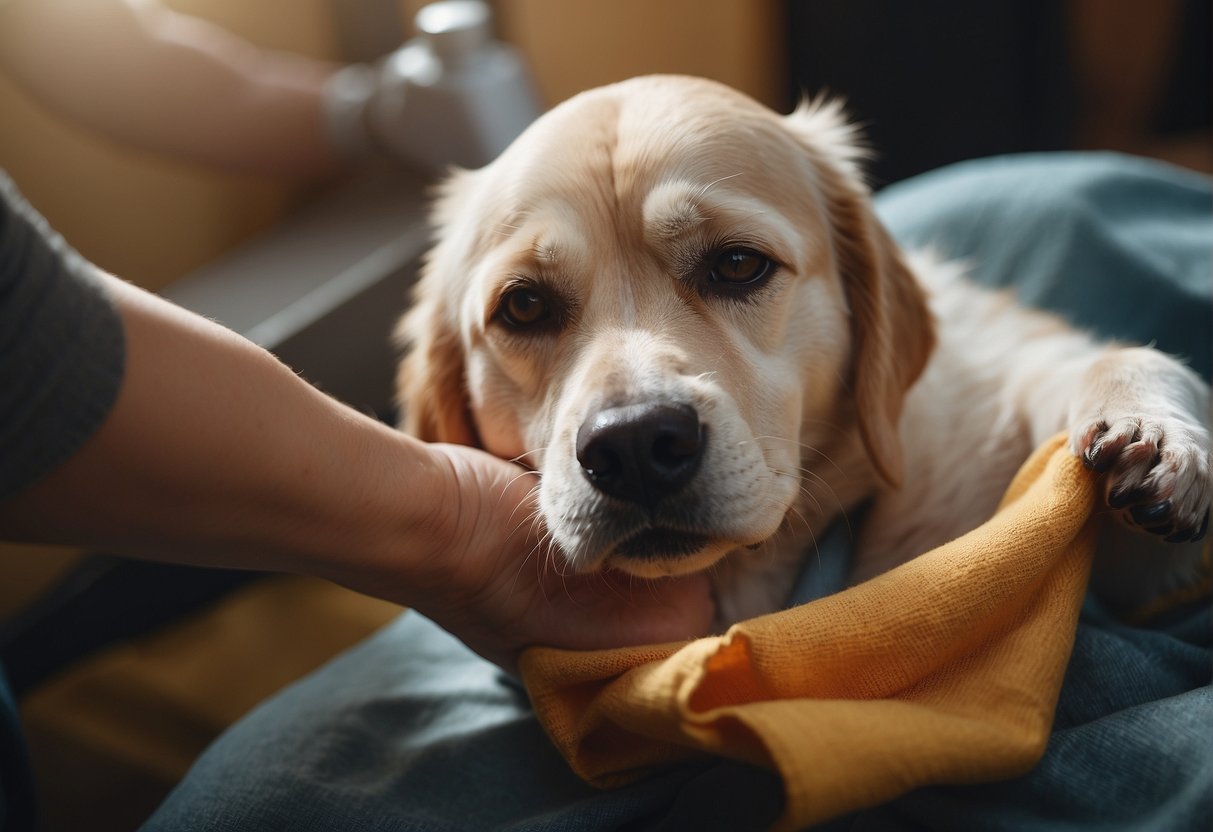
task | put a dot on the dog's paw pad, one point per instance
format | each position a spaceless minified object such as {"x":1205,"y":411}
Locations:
{"x":1158,"y":472}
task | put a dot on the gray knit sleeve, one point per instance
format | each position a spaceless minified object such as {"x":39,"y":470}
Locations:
{"x":61,"y":346}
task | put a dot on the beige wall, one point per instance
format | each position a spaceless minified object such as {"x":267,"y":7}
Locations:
{"x":573,"y":45}
{"x":577,"y":44}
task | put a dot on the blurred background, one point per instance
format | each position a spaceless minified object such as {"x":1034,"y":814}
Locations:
{"x":933,"y":82}
{"x":115,"y":720}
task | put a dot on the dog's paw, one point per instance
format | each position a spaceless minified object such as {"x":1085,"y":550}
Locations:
{"x":1158,"y":472}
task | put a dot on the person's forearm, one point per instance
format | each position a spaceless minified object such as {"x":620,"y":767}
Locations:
{"x":217,"y":454}
{"x":172,"y":84}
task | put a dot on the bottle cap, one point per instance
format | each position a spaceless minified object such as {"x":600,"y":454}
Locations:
{"x":454,"y":29}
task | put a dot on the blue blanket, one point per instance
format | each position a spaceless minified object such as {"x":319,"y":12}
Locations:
{"x":411,"y":731}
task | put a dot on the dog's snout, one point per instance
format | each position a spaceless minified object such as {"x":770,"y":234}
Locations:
{"x":643,"y":452}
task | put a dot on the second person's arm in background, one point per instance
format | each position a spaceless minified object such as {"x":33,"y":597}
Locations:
{"x":151,"y":78}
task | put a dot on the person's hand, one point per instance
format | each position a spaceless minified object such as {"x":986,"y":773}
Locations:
{"x":215,"y":453}
{"x":500,"y":588}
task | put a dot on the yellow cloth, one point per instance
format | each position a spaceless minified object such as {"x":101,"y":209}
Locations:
{"x":944,"y":670}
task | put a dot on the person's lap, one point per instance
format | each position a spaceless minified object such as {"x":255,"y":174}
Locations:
{"x":411,"y":730}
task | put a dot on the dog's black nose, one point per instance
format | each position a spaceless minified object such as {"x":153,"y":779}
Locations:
{"x":641,"y":452}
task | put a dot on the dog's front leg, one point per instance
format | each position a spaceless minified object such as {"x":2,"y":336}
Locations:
{"x":1138,"y":418}
{"x":1135,"y":416}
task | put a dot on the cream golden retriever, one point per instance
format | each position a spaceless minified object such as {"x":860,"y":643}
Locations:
{"x":679,"y":308}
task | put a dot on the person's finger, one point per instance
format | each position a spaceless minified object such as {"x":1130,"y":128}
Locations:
{"x":615,"y":610}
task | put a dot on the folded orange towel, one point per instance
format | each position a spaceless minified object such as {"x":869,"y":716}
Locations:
{"x":944,"y":670}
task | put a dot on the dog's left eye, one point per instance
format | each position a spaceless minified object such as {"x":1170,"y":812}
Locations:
{"x":524,"y":307}
{"x":739,"y":267}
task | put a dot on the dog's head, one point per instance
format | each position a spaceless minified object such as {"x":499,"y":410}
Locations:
{"x":660,"y":297}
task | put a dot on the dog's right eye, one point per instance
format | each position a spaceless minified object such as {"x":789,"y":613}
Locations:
{"x":524,"y":307}
{"x":740,"y":267}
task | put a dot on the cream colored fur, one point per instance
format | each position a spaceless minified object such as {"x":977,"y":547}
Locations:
{"x":815,"y":390}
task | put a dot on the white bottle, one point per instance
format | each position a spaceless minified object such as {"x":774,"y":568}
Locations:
{"x":453,"y":94}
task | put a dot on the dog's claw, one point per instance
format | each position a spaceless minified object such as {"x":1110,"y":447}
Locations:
{"x":1145,"y":515}
{"x":1088,"y":457}
{"x":1122,"y":498}
{"x":1095,"y":459}
{"x":1191,"y":534}
{"x":1204,"y":527}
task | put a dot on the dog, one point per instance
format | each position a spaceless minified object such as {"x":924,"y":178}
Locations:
{"x":679,"y":308}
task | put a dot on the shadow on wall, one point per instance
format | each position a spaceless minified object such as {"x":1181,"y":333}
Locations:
{"x":940,"y":81}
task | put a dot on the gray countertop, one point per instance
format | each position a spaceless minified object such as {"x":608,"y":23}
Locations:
{"x":324,"y":288}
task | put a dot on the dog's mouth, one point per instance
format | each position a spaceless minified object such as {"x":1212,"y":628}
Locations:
{"x":661,"y":544}
{"x":661,"y":551}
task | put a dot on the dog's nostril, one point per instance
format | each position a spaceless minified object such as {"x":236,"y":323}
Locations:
{"x":600,"y":461}
{"x":675,"y":448}
{"x":641,"y":453}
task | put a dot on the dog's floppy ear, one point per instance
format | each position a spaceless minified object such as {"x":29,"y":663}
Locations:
{"x":891,"y":326}
{"x":892,"y":331}
{"x":431,"y":387}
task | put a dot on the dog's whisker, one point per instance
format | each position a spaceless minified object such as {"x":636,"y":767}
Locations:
{"x":798,"y":443}
{"x":815,"y":547}
{"x":529,"y":557}
{"x":552,"y":564}
{"x":531,"y":494}
{"x":521,"y":458}
{"x":812,"y":498}
{"x":815,"y":479}
{"x":808,"y":494}
{"x":793,"y":511}
{"x":614,"y":590}
{"x":503,"y":229}
{"x":704,"y":190}
{"x":808,"y":449}
{"x":842,"y":513}
{"x":838,"y":469}
{"x":791,"y":440}
{"x":502,"y":495}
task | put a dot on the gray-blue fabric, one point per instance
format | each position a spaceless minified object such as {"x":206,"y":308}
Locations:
{"x":410,"y":731}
